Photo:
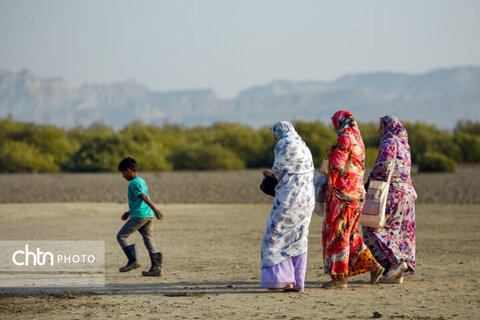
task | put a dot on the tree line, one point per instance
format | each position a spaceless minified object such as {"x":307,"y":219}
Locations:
{"x":29,"y":147}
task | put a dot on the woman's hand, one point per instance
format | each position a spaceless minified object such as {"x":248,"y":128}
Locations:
{"x":267,"y":172}
{"x":125,"y":215}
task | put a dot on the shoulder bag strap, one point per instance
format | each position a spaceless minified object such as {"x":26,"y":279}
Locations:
{"x":393,"y":163}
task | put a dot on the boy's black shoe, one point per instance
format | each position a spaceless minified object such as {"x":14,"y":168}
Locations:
{"x":132,"y":259}
{"x":156,"y":269}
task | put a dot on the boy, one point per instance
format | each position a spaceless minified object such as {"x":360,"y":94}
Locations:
{"x":140,"y":212}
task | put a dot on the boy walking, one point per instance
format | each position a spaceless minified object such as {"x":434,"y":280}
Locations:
{"x":141,"y":211}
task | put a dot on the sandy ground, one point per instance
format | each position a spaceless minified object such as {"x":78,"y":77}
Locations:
{"x":212,"y":268}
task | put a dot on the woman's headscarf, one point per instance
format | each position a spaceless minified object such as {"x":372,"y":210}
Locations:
{"x":291,"y":153}
{"x":283,"y":129}
{"x":344,"y":122}
{"x":393,"y":127}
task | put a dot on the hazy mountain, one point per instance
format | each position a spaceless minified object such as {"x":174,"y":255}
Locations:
{"x":441,"y":96}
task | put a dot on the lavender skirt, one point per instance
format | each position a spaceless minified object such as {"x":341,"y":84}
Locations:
{"x":285,"y":273}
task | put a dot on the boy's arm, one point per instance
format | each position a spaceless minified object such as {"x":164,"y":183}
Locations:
{"x":157,"y":212}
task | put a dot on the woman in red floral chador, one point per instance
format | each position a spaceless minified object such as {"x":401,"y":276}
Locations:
{"x":344,"y":253}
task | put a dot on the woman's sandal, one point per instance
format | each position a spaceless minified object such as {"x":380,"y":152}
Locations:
{"x":376,"y":275}
{"x":334,"y":284}
{"x":396,"y":272}
{"x":286,"y":288}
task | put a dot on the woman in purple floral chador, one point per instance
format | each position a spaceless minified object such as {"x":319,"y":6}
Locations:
{"x":394,"y":246}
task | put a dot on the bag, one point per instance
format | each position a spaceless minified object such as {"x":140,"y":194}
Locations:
{"x":268,"y":185}
{"x":320,"y":183}
{"x":319,"y":209}
{"x":373,"y":214}
{"x":324,"y":167}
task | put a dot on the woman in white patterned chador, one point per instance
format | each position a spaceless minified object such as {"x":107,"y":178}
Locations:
{"x":284,"y":245}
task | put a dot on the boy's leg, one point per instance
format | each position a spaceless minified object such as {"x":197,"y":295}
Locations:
{"x":146,"y":230}
{"x":128,"y":228}
{"x":156,"y":258}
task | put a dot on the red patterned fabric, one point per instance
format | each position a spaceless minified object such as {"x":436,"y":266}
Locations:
{"x":343,"y":246}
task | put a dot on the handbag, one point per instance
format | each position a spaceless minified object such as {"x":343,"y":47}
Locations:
{"x":373,"y":214}
{"x":320,"y":182}
{"x":268,"y":185}
{"x":324,"y":167}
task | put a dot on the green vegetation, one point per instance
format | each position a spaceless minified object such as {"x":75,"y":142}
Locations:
{"x":432,"y":161}
{"x":26,"y":147}
{"x":205,"y":157}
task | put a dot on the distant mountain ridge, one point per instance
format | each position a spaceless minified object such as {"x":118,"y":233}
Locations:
{"x":441,"y":97}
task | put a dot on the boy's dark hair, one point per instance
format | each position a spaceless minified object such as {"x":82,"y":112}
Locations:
{"x":127,"y":163}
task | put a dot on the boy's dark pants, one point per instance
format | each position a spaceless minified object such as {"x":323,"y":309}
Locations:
{"x":142,"y":225}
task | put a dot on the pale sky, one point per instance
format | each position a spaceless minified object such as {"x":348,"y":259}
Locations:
{"x":229,"y":46}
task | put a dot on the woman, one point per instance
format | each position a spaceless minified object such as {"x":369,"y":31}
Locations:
{"x":344,"y":253}
{"x":394,"y":245}
{"x":284,"y":245}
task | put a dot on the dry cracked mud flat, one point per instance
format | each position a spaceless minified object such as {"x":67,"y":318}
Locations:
{"x":212,"y":187}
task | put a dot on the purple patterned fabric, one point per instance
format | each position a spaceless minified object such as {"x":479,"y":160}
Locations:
{"x":287,"y":272}
{"x":396,"y":242}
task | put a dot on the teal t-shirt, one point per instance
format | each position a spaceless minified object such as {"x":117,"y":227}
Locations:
{"x":138,"y":208}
